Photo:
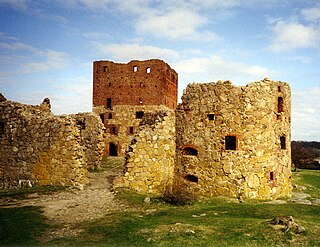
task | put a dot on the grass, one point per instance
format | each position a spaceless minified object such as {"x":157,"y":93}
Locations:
{"x":211,"y":222}
{"x":21,"y":226}
{"x":20,"y":193}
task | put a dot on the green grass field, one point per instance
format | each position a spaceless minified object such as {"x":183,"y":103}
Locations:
{"x":214,"y":222}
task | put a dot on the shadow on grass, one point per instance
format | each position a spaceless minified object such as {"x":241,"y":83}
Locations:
{"x":21,"y":226}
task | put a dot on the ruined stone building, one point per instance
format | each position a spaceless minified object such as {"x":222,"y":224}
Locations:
{"x":222,"y":139}
{"x":123,"y":93}
{"x":39,"y":148}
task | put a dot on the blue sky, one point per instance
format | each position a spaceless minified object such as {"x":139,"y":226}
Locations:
{"x":47,"y":47}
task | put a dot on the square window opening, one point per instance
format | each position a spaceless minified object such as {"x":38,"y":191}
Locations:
{"x":139,"y":114}
{"x":231,"y":142}
{"x":148,"y":70}
{"x":211,"y":117}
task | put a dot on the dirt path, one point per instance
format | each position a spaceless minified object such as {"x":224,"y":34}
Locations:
{"x":68,"y":208}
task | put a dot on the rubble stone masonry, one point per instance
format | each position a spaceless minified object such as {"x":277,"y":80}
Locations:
{"x":38,"y":148}
{"x":235,"y":141}
{"x":151,"y":155}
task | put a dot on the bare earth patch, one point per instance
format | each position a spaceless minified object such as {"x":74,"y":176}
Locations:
{"x":67,"y":209}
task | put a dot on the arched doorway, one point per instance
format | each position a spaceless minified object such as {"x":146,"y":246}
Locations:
{"x":113,"y":149}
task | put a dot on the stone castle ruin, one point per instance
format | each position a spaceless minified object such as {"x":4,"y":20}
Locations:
{"x":38,"y":148}
{"x":221,"y":140}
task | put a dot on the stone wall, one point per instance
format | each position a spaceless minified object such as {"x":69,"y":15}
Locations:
{"x":121,"y":124}
{"x":38,"y":148}
{"x":235,"y":141}
{"x":150,"y":158}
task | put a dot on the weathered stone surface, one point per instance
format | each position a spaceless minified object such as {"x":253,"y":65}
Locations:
{"x":257,"y":119}
{"x":38,"y":148}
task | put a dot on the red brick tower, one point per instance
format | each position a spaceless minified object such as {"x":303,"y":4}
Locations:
{"x":123,"y":92}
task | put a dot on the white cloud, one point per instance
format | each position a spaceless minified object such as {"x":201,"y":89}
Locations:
{"x":305,"y":114}
{"x":311,"y":14}
{"x":290,"y":35}
{"x":15,"y":4}
{"x":181,"y":24}
{"x":215,"y":68}
{"x":35,"y":59}
{"x":126,"y":52}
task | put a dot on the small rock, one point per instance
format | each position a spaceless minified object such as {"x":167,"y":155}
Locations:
{"x":147,"y":199}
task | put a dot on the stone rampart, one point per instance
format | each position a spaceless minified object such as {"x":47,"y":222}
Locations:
{"x":38,"y":148}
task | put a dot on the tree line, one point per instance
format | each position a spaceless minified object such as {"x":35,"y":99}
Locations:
{"x":304,"y":154}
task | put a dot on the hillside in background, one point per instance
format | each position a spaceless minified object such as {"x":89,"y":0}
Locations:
{"x":305,"y":155}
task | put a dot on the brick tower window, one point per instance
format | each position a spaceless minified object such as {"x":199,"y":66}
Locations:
{"x":110,"y":115}
{"x":231,"y":143}
{"x":283,"y":142}
{"x":280,"y":105}
{"x":135,"y":68}
{"x":148,"y":70}
{"x":109,"y":103}
{"x":131,"y":130}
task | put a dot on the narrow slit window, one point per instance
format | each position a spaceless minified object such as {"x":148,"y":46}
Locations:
{"x":139,"y":114}
{"x":1,"y":128}
{"x":131,"y":130}
{"x":231,"y":142}
{"x":279,"y":89}
{"x":109,"y":103}
{"x":191,"y":178}
{"x":135,"y":68}
{"x":190,"y":151}
{"x":148,"y":70}
{"x":113,"y":130}
{"x":283,"y":142}
{"x":280,"y":105}
{"x":271,"y":176}
{"x":106,"y":69}
{"x":102,"y":118}
{"x":110,"y":116}
{"x":140,"y":101}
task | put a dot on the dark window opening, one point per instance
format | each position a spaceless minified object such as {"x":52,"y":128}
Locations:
{"x":110,"y":116}
{"x":113,"y":151}
{"x":279,"y":89}
{"x":283,"y":142}
{"x":210,"y":116}
{"x":102,"y":118}
{"x":81,"y":125}
{"x":190,"y":151}
{"x":280,"y":105}
{"x":173,"y":77}
{"x":192,"y":178}
{"x":131,"y":130}
{"x":139,"y":114}
{"x":105,"y":69}
{"x":135,"y":68}
{"x":140,"y":100}
{"x":1,"y":128}
{"x":271,"y":176}
{"x":113,"y":130}
{"x":109,"y":103}
{"x":109,"y":84}
{"x":231,"y":142}
{"x":148,"y":70}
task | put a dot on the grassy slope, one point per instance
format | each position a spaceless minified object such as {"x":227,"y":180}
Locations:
{"x":214,"y":222}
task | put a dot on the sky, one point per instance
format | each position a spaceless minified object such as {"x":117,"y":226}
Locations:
{"x":47,"y":47}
